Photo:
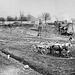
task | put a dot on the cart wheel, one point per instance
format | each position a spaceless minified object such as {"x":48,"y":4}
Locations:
{"x":64,"y":53}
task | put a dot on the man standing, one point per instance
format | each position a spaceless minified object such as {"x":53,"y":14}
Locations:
{"x":39,"y":28}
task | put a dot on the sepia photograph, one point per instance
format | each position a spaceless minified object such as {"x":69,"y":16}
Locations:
{"x":37,"y":37}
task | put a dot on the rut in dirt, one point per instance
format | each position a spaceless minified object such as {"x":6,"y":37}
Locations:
{"x":39,"y":67}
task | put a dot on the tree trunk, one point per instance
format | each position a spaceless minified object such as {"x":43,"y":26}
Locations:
{"x":45,"y":21}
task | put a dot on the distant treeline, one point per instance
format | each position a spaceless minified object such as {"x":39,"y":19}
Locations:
{"x":21,"y":17}
{"x":16,"y":25}
{"x":22,"y":20}
{"x":9,"y":18}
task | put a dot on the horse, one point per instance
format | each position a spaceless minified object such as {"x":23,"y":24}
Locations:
{"x":62,"y":49}
{"x":55,"y":48}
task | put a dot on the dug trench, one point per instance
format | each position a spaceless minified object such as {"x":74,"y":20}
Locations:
{"x":41,"y":67}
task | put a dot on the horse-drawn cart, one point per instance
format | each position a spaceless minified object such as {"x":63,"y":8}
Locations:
{"x":60,"y":50}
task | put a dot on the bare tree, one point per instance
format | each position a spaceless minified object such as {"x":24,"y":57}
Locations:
{"x":2,"y":19}
{"x":9,"y":18}
{"x":30,"y":18}
{"x":22,"y":17}
{"x":16,"y":18}
{"x":46,"y":16}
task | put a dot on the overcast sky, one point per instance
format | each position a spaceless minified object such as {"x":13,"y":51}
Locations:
{"x":37,"y":7}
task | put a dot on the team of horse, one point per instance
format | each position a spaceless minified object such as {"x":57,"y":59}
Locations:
{"x":59,"y":49}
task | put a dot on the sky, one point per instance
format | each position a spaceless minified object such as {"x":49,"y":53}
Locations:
{"x":56,"y":8}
